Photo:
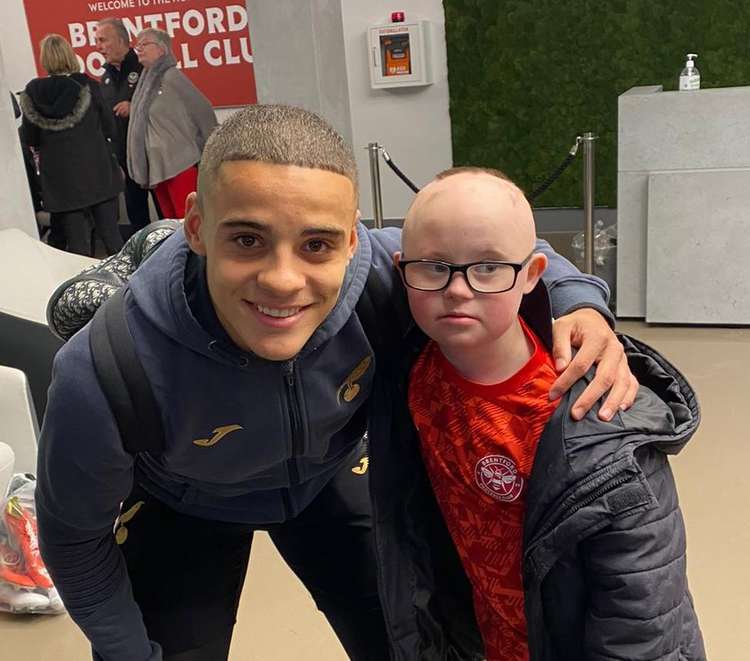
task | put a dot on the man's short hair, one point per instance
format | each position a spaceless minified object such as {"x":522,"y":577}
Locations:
{"x":56,"y":56}
{"x":119,"y":27}
{"x":159,"y":36}
{"x":280,"y":135}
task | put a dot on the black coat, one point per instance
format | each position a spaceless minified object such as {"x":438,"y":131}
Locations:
{"x":119,"y":85}
{"x":604,"y":540}
{"x":65,"y":120}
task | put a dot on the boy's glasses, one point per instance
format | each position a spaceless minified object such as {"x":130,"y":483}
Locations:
{"x":487,"y":277}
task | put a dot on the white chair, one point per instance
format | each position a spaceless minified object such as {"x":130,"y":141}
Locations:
{"x":18,"y":422}
{"x":29,"y":272}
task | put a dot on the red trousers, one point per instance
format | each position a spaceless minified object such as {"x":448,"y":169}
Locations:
{"x":172,"y":193}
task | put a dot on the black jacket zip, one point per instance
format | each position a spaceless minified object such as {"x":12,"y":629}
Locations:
{"x":294,"y":422}
{"x":560,"y":514}
{"x":583,"y":495}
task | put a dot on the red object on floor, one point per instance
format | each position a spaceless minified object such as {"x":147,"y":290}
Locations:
{"x":172,"y":193}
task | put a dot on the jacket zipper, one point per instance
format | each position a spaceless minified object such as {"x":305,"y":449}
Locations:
{"x":556,"y":519}
{"x":385,"y":605}
{"x":294,"y":421}
{"x":377,"y":539}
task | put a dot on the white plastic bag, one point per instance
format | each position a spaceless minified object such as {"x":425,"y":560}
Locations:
{"x":25,"y":585}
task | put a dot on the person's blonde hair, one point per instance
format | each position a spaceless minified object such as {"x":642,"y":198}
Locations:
{"x":57,"y":56}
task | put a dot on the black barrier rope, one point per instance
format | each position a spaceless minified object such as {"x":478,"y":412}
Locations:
{"x":569,"y":158}
{"x":399,"y":174}
{"x":538,"y":191}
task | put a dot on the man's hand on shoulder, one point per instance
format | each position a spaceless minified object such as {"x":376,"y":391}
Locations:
{"x":588,"y":331}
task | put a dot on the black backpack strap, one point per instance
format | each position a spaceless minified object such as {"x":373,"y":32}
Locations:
{"x":123,"y":379}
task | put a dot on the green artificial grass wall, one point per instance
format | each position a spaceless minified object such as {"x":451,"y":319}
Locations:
{"x":527,"y":76}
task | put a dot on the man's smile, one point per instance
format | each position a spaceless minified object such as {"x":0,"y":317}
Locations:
{"x":278,"y":312}
{"x":277,"y":316}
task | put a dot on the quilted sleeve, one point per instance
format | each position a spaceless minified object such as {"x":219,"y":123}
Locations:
{"x":74,"y":302}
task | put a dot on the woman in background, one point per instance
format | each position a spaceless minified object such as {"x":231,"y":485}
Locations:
{"x":65,"y":121}
{"x":170,"y":121}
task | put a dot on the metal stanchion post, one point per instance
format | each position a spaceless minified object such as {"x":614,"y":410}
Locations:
{"x":377,"y":196}
{"x":588,"y":202}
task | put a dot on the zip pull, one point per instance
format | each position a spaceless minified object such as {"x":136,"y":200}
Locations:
{"x":289,"y":372}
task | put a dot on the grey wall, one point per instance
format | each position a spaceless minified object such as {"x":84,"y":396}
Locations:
{"x":413,"y":122}
{"x":298,"y":52}
{"x":16,"y":44}
{"x":313,"y":53}
{"x":16,"y":209}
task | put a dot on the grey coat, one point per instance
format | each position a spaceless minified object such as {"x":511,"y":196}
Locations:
{"x":604,"y":562}
{"x":180,"y":120}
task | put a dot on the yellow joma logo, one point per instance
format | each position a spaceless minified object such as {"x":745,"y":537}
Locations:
{"x":361,"y":468}
{"x":218,"y":434}
{"x":121,"y":534}
{"x":350,"y":388}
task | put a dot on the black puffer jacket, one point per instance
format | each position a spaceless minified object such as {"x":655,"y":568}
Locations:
{"x":604,"y":539}
{"x":65,"y":120}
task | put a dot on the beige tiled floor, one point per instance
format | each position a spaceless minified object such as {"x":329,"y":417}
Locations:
{"x":712,"y":478}
{"x":278,"y":621}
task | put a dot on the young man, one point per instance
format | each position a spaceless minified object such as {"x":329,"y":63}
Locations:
{"x":246,"y":327}
{"x":122,"y":72}
{"x":576,"y":522}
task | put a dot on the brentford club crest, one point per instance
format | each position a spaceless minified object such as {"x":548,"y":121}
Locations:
{"x":498,"y":476}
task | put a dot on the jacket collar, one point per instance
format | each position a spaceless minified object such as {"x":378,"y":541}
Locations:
{"x":537,"y":313}
{"x":129,"y":63}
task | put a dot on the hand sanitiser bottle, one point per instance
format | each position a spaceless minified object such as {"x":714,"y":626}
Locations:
{"x":690,"y":77}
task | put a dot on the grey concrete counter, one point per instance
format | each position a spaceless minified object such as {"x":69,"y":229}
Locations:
{"x":681,"y":134}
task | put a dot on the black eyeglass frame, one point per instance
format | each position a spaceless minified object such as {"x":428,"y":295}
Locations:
{"x":463,"y":269}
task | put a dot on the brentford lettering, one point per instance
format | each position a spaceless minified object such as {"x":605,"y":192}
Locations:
{"x":193,"y":22}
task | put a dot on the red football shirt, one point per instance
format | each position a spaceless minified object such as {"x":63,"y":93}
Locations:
{"x":478,"y":443}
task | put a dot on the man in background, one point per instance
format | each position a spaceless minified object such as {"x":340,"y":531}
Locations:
{"x":121,"y":74}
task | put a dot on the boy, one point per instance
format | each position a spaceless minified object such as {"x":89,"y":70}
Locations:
{"x":569,"y":532}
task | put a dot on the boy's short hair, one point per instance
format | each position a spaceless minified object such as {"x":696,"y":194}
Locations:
{"x":276,"y":134}
{"x":56,"y":56}
{"x":475,"y":169}
{"x":470,"y":169}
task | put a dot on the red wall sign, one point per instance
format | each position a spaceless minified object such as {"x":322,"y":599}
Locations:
{"x":211,"y":40}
